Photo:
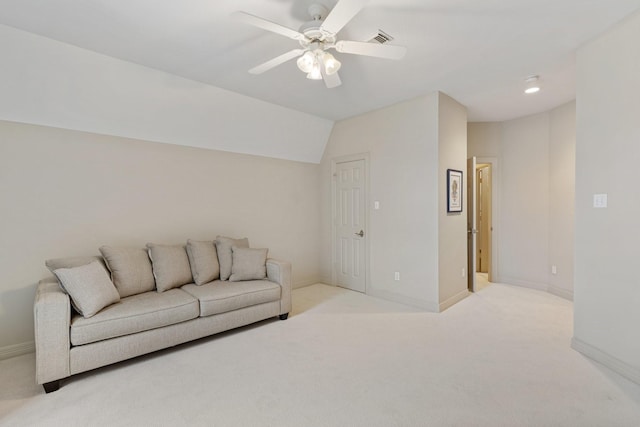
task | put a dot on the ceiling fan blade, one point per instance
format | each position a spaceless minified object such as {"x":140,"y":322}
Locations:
{"x":330,"y":80}
{"x":341,"y":14}
{"x":371,"y":49}
{"x":256,"y":21}
{"x":277,"y":61}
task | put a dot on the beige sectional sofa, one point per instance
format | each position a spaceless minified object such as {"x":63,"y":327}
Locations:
{"x":96,"y":311}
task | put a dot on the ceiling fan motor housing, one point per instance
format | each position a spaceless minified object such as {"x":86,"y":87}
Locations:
{"x":312,"y":29}
{"x":318,"y":12}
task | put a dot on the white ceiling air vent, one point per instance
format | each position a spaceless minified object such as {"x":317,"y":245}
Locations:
{"x":381,"y":38}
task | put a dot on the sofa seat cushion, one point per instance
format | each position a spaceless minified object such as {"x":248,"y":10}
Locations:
{"x":220,"y":297}
{"x":133,"y":314}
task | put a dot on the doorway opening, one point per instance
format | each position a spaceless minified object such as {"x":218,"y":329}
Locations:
{"x":483,"y":222}
{"x":482,"y":219}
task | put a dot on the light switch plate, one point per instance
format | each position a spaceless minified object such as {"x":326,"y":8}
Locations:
{"x":599,"y":200}
{"x":376,"y":205}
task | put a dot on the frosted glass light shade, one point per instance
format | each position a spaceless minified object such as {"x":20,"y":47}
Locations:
{"x":331,"y":64}
{"x":315,"y":73}
{"x":306,"y":61}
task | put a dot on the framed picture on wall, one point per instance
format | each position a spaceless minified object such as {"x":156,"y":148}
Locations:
{"x":454,"y":190}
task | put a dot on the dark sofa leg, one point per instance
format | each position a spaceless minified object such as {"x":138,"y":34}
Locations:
{"x":52,"y":386}
{"x":284,"y":316}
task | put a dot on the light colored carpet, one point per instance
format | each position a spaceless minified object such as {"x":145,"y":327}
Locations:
{"x":498,"y":358}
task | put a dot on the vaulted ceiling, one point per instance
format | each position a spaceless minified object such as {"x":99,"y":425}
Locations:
{"x":478,"y":52}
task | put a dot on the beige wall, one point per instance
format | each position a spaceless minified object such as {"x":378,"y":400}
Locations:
{"x":452,"y":227}
{"x":607,"y":288}
{"x":562,"y":177}
{"x":536,"y":157}
{"x":403,"y":234}
{"x":66,"y":193}
{"x":408,"y":156}
{"x":524,"y":202}
{"x":484,"y":139}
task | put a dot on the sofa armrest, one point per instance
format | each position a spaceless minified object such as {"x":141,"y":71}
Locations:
{"x":280,"y":273}
{"x":52,"y":317}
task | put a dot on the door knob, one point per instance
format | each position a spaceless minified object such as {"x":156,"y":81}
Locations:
{"x":361,"y":233}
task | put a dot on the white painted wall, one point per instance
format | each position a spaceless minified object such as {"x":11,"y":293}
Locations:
{"x":607,"y":288}
{"x":484,"y":139}
{"x":66,"y":193}
{"x":562,"y":172}
{"x":410,"y":146}
{"x":402,"y":144}
{"x":536,"y":186}
{"x":524,"y":202}
{"x":452,"y":227}
{"x":50,"y":83}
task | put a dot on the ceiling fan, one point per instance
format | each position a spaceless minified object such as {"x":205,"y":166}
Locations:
{"x":316,"y":37}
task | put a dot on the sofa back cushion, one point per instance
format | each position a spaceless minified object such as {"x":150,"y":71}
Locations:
{"x":89,"y":287}
{"x":170,"y":265}
{"x":130,"y":268}
{"x":225,"y":256}
{"x":203,"y":258}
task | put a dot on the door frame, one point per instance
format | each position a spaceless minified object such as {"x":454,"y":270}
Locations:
{"x":334,"y":224}
{"x":495,"y":214}
{"x":472,"y":222}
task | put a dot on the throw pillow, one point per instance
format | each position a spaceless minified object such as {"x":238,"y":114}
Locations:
{"x":248,"y":264}
{"x":170,"y":266}
{"x":225,"y":256}
{"x":203,"y":258}
{"x":89,"y":287}
{"x":130,"y":270}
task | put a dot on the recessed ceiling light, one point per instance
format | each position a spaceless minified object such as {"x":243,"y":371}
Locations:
{"x":532,"y":84}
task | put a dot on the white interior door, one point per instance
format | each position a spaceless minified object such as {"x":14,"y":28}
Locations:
{"x":350,"y":238}
{"x":472,"y":227}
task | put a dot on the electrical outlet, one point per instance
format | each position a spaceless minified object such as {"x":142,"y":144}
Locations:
{"x":554,"y":269}
{"x":600,"y":200}
{"x":463,"y":272}
{"x":396,"y":276}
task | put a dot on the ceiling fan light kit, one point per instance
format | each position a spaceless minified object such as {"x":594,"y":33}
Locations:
{"x":312,"y":61}
{"x":316,"y":37}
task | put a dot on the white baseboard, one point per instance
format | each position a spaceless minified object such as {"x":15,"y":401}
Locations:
{"x":524,"y":283}
{"x":14,"y":350}
{"x":560,"y":292}
{"x":307,"y":282}
{"x":413,"y":302}
{"x":453,"y":300}
{"x":607,"y":360}
{"x":327,"y":281}
{"x":553,"y":290}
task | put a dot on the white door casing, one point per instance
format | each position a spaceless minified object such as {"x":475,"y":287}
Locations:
{"x":350,"y":202}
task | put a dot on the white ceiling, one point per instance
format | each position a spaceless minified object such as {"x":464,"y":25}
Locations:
{"x":477,"y":51}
